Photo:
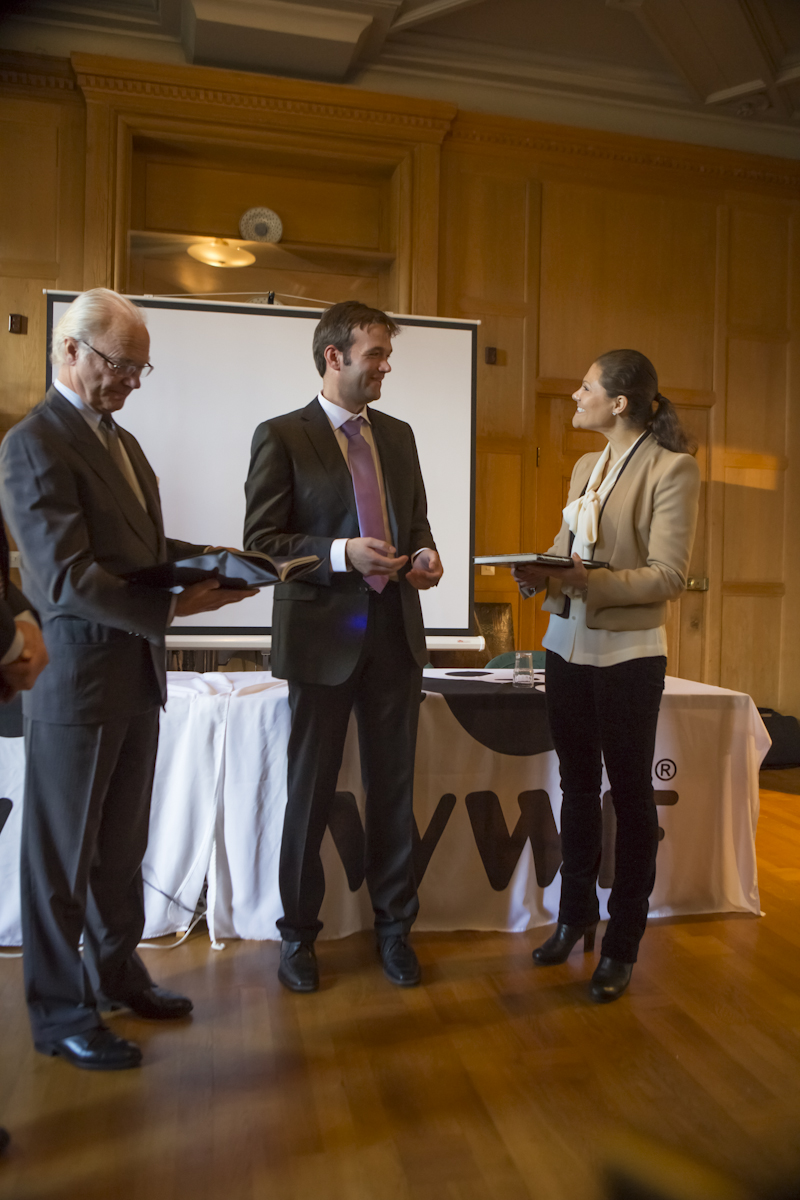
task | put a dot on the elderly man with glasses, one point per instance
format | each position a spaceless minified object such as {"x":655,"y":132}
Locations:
{"x":82,"y":502}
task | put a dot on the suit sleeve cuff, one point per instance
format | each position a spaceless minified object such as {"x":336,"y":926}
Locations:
{"x":338,"y":555}
{"x":173,"y":604}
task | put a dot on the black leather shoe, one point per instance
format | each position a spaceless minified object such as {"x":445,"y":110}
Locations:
{"x":610,"y":980}
{"x":560,"y":944}
{"x":97,"y":1050}
{"x":298,"y":970}
{"x":156,"y":1004}
{"x":5,"y":1138}
{"x":400,"y":965}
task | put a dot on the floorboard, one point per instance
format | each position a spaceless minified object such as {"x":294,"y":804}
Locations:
{"x":492,"y":1081}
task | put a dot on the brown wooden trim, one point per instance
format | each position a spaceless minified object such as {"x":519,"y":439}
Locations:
{"x":754,"y":588}
{"x":29,"y":268}
{"x":127,"y":83}
{"x":37,"y":72}
{"x":715,"y":167}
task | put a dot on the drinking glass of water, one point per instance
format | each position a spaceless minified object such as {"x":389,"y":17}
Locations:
{"x":523,"y":669}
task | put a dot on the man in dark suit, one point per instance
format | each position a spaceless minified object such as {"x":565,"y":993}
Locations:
{"x":342,"y":481}
{"x":22,"y":658}
{"x":83,"y":505}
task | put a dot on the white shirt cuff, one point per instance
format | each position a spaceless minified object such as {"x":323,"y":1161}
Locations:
{"x":338,"y":555}
{"x":416,"y":552}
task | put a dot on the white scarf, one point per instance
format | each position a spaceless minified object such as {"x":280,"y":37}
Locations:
{"x":583,"y":515}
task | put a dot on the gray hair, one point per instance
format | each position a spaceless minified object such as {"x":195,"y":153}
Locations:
{"x":91,"y":314}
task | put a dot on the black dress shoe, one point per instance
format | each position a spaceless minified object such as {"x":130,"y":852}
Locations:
{"x":96,"y":1050}
{"x":298,"y":970}
{"x":400,"y":965}
{"x":610,"y":980}
{"x":156,"y":1004}
{"x":5,"y":1138}
{"x":560,"y":944}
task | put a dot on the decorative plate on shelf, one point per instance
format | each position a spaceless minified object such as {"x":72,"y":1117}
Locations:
{"x":261,"y":225}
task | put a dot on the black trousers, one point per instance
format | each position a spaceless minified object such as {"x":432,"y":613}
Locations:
{"x":384,"y":692}
{"x":607,"y":714}
{"x":84,"y":835}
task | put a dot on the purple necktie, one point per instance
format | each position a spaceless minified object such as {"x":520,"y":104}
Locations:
{"x":367,"y":490}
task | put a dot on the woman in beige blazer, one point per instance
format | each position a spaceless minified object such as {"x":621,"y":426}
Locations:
{"x":633,"y":506}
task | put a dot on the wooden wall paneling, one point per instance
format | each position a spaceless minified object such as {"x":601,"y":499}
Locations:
{"x":215,"y":106}
{"x":753,"y":529}
{"x":41,"y":226}
{"x":627,"y":269}
{"x":789,"y":687}
{"x":210,"y":199}
{"x":498,"y":501}
{"x":757,"y":380}
{"x":755,"y":447}
{"x":399,"y":277}
{"x":100,"y":238}
{"x":715,"y":500}
{"x":425,"y":242}
{"x":750,"y":657}
{"x":759,"y":278}
{"x":498,"y":495}
{"x":690,"y":615}
{"x":490,"y":270}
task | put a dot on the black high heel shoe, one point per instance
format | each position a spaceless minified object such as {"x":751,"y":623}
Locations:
{"x":560,"y":944}
{"x":610,"y":980}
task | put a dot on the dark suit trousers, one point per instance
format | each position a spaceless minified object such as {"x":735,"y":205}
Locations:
{"x":384,"y":692}
{"x":84,"y":834}
{"x":607,"y":714}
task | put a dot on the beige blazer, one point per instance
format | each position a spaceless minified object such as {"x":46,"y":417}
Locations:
{"x":646,"y":533}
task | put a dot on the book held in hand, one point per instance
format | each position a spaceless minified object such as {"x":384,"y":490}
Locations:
{"x":238,"y":569}
{"x":539,"y":560}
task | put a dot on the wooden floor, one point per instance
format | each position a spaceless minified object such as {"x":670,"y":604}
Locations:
{"x":493,"y":1080}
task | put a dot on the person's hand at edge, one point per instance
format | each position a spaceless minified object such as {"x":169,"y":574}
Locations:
{"x":426,"y":571}
{"x":21,"y":675}
{"x":208,"y":596}
{"x":532,"y":575}
{"x":371,"y":556}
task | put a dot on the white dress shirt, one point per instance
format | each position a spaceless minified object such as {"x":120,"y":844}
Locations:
{"x":337,"y":417}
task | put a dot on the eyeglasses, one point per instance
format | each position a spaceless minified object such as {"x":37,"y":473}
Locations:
{"x":129,"y":369}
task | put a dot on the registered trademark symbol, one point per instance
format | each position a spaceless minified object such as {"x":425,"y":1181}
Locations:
{"x":665,"y":769}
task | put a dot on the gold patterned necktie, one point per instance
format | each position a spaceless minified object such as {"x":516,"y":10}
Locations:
{"x":112,"y":443}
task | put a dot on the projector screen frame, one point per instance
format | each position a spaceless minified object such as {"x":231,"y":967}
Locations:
{"x":225,"y":633}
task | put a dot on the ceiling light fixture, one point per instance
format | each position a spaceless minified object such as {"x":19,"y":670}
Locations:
{"x":221,"y":253}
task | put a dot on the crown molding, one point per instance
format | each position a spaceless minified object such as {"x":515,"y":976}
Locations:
{"x":36,"y":71}
{"x":720,"y":168}
{"x":125,"y":83}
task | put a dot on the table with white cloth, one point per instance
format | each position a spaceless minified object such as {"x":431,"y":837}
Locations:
{"x":486,"y":804}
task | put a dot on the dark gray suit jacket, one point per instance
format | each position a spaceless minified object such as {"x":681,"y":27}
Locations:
{"x":14,"y":602}
{"x":299,"y":500}
{"x":79,"y":528}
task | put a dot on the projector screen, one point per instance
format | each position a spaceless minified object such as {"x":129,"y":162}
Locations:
{"x":221,"y":369}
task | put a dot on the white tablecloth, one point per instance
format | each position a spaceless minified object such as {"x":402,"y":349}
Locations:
{"x":220,"y":793}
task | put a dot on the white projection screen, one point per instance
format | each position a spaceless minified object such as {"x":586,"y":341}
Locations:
{"x":220,"y":369}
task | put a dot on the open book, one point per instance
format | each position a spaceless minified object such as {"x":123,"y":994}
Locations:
{"x":234,"y":569}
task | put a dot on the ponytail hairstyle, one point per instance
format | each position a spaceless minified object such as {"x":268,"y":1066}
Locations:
{"x":628,"y":373}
